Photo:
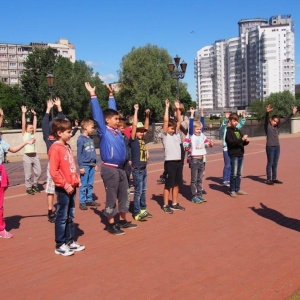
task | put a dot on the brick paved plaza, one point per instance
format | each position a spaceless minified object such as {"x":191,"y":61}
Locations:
{"x":244,"y":248}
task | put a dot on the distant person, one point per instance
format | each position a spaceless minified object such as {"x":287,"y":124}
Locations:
{"x":223,"y":131}
{"x":173,"y":164}
{"x":272,"y":126}
{"x":113,"y":155}
{"x":4,"y":182}
{"x":87,"y":162}
{"x":31,"y":162}
{"x":140,"y":156}
{"x":235,"y":141}
{"x":66,"y":180}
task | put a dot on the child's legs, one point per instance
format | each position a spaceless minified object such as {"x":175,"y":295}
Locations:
{"x":172,"y":178}
{"x":270,"y":160}
{"x":84,"y":185}
{"x":233,"y":173}
{"x":50,"y":190}
{"x":37,"y":170}
{"x":124,"y":201}
{"x":227,"y":167}
{"x":203,"y":173}
{"x":194,"y":175}
{"x":175,"y":192}
{"x":90,"y":187}
{"x":144,"y":189}
{"x":239,"y":173}
{"x":2,"y":223}
{"x":199,"y":178}
{"x":128,"y":171}
{"x":64,"y":225}
{"x":138,"y":189}
{"x":27,"y":170}
{"x":275,"y":162}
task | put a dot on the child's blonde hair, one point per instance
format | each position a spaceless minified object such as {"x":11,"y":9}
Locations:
{"x":197,"y":124}
{"x":85,"y":123}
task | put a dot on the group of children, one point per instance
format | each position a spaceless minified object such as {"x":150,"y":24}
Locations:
{"x":123,"y":152}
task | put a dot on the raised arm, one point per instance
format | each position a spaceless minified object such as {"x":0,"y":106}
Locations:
{"x":134,"y":122}
{"x":1,"y":117}
{"x":111,"y":98}
{"x":191,"y":121}
{"x":269,"y":108}
{"x":24,"y":110}
{"x":34,"y":120}
{"x":147,"y":119}
{"x":166,"y":116}
{"x":202,"y":119}
{"x":178,"y":114}
{"x":242,"y":121}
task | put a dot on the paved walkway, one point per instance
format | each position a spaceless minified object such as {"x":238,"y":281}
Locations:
{"x":244,"y":248}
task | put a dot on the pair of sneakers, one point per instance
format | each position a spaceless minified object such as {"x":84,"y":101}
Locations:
{"x":143,"y":215}
{"x":198,"y":199}
{"x":168,"y":209}
{"x":70,"y":249}
{"x":84,"y":205}
{"x":32,"y":190}
{"x":117,"y":229}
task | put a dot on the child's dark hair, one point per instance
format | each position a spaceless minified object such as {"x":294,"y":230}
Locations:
{"x":60,"y":125}
{"x":108,"y":113}
{"x":233,"y":116}
{"x":276,"y":117}
{"x":171,"y":123}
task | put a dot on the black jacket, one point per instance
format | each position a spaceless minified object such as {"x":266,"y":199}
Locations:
{"x":234,"y":142}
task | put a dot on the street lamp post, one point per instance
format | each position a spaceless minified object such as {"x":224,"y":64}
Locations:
{"x":50,"y":82}
{"x":177,"y":71}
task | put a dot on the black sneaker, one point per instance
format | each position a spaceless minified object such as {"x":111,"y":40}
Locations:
{"x":167,"y":209}
{"x":269,"y":182}
{"x":35,"y":188}
{"x":277,"y":181}
{"x":113,"y":229}
{"x":92,"y":203}
{"x":177,"y":207}
{"x":51,"y":216}
{"x":126,"y":225}
{"x":30,"y":191}
{"x":83,"y":206}
{"x":161,"y":180}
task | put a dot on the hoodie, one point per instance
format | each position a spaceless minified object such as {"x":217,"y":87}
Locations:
{"x":62,"y":166}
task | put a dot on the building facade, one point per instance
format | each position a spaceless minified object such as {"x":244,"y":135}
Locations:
{"x":260,"y":61}
{"x":13,"y":56}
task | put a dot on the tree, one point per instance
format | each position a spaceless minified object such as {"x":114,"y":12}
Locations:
{"x":145,"y":80}
{"x":282,"y":104}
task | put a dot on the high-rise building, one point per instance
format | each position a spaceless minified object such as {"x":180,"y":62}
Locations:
{"x":12,"y":57}
{"x":260,"y":61}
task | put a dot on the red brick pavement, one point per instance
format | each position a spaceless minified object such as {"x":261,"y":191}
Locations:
{"x":244,"y":248}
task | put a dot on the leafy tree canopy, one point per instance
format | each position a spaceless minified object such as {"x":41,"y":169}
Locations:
{"x":145,"y":80}
{"x":282,"y":104}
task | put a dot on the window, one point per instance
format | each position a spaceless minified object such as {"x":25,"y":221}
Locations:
{"x":14,"y":80}
{"x":12,"y":64}
{"x":2,"y":48}
{"x":4,"y":79}
{"x":3,"y":56}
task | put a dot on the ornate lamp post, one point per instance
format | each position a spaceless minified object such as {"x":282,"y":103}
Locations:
{"x":50,"y":82}
{"x":177,"y":71}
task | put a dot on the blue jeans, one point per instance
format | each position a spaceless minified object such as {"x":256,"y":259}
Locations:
{"x":227,"y":167}
{"x":87,"y":181}
{"x":140,"y":187}
{"x":273,"y":154}
{"x":65,"y":211}
{"x":237,"y":164}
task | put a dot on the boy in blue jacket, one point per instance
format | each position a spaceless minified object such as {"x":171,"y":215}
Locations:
{"x":113,"y":155}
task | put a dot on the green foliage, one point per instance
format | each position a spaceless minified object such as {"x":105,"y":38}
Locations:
{"x":146,"y":80}
{"x":282,"y":104}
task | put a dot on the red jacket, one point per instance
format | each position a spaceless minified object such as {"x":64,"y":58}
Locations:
{"x":62,"y":165}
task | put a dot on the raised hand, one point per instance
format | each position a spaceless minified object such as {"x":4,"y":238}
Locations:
{"x":50,"y":103}
{"x":33,"y":112}
{"x":23,"y":109}
{"x":167,"y":102}
{"x":244,"y":114}
{"x":136,"y":107}
{"x":269,"y":108}
{"x":76,"y":123}
{"x":147,"y":112}
{"x":1,"y":112}
{"x":294,"y":110}
{"x":227,"y":114}
{"x":57,"y":101}
{"x":109,"y":88}
{"x":89,"y":88}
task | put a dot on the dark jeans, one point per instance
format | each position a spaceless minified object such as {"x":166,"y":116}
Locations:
{"x":65,"y":211}
{"x":140,"y":187}
{"x":197,"y":171}
{"x":237,"y":164}
{"x":87,"y":181}
{"x":273,"y":154}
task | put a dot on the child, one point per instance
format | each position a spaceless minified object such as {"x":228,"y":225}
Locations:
{"x":113,"y":155}
{"x":235,"y":141}
{"x":31,"y":160}
{"x":272,"y":126}
{"x":223,"y":130}
{"x":4,"y":147}
{"x":65,"y":178}
{"x":140,"y":156}
{"x":49,"y":140}
{"x":173,"y":164}
{"x":86,"y":158}
{"x":198,"y":143}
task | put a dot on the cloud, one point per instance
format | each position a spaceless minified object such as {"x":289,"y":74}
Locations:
{"x":92,"y":63}
{"x":107,"y":77}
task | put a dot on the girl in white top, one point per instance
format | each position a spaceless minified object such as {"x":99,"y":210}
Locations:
{"x":31,"y":162}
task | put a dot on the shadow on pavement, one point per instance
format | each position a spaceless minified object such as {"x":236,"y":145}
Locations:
{"x":14,"y":222}
{"x":277,"y":217}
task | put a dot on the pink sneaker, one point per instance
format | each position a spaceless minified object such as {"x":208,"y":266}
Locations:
{"x":5,"y":234}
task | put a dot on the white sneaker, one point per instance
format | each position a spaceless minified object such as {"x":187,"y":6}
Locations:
{"x":64,"y":250}
{"x":76,"y":247}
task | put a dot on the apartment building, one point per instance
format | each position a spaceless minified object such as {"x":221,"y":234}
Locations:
{"x":260,"y":61}
{"x":13,"y":56}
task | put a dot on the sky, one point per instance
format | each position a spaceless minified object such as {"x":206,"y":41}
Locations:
{"x":104,"y":31}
